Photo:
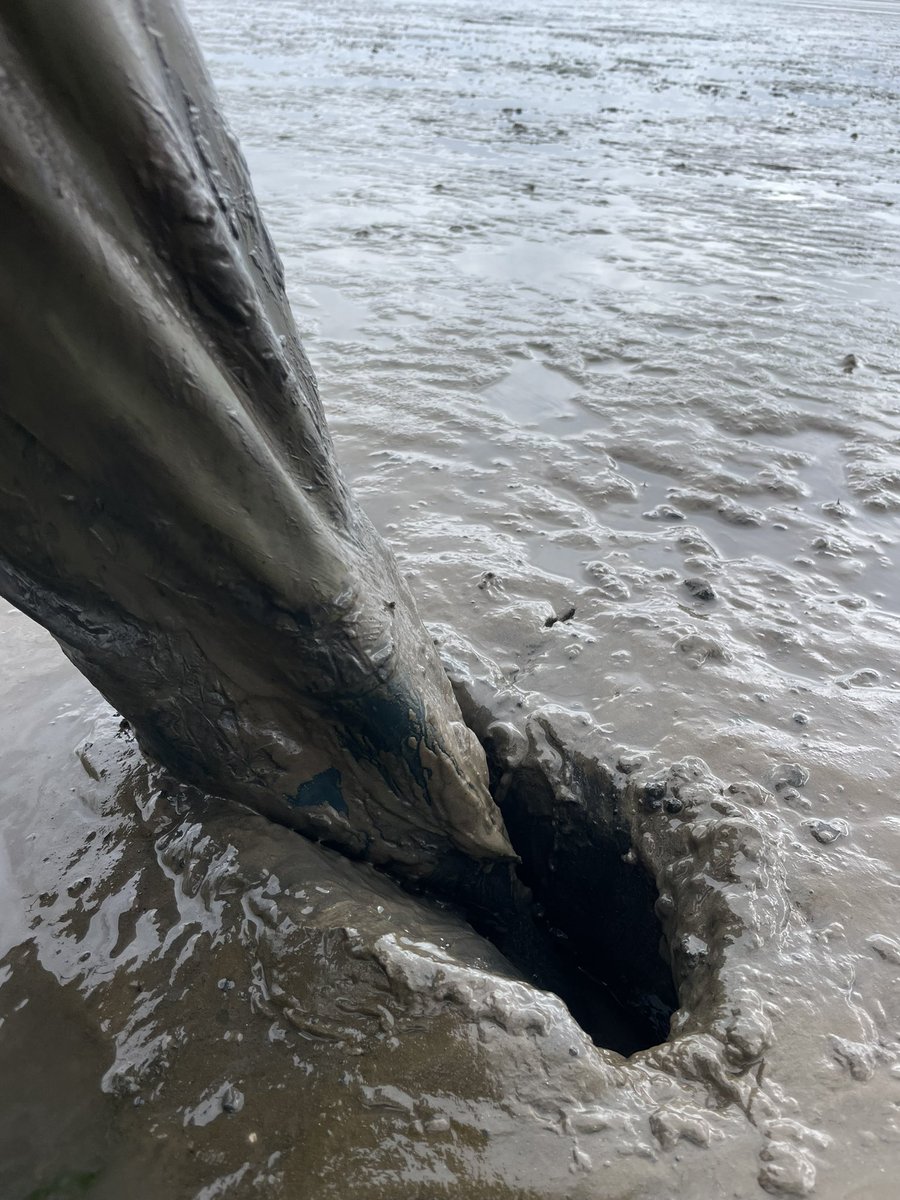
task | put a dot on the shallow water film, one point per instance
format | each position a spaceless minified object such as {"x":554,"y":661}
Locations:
{"x":601,"y":299}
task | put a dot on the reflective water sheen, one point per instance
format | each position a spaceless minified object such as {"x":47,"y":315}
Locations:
{"x":602,"y":300}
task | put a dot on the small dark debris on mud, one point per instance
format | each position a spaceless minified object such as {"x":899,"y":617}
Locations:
{"x":700,"y":589}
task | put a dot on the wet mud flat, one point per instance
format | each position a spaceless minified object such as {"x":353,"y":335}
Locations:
{"x":587,"y":364}
{"x":191,"y":992}
{"x":201,"y":1003}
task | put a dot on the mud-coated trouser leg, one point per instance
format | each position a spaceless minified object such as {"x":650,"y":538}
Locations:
{"x":170,"y":507}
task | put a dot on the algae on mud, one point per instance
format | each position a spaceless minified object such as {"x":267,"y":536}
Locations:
{"x":170,"y":506}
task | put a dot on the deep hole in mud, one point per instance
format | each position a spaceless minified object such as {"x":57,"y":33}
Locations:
{"x":576,"y":916}
{"x":598,"y":907}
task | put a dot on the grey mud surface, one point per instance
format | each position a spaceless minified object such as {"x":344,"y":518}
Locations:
{"x":572,"y":356}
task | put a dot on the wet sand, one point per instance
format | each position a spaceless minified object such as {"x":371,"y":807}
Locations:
{"x":574,"y":356}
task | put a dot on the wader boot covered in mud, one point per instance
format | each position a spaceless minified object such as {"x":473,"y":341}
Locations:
{"x":170,"y":506}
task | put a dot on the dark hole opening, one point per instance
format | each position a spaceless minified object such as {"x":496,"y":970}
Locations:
{"x":576,"y":916}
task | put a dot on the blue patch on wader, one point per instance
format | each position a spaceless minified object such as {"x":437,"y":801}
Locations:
{"x":324,"y":788}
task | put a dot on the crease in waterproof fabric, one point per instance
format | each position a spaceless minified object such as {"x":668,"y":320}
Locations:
{"x":170,"y":506}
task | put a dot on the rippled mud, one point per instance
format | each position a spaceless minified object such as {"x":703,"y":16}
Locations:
{"x":601,"y":307}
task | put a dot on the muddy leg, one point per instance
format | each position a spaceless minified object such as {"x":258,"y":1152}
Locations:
{"x":170,"y":506}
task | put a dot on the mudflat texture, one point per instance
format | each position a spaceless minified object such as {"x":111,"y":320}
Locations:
{"x":630,"y":351}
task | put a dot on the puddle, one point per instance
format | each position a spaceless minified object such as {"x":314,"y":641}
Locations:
{"x":535,"y":394}
{"x":337,"y":317}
